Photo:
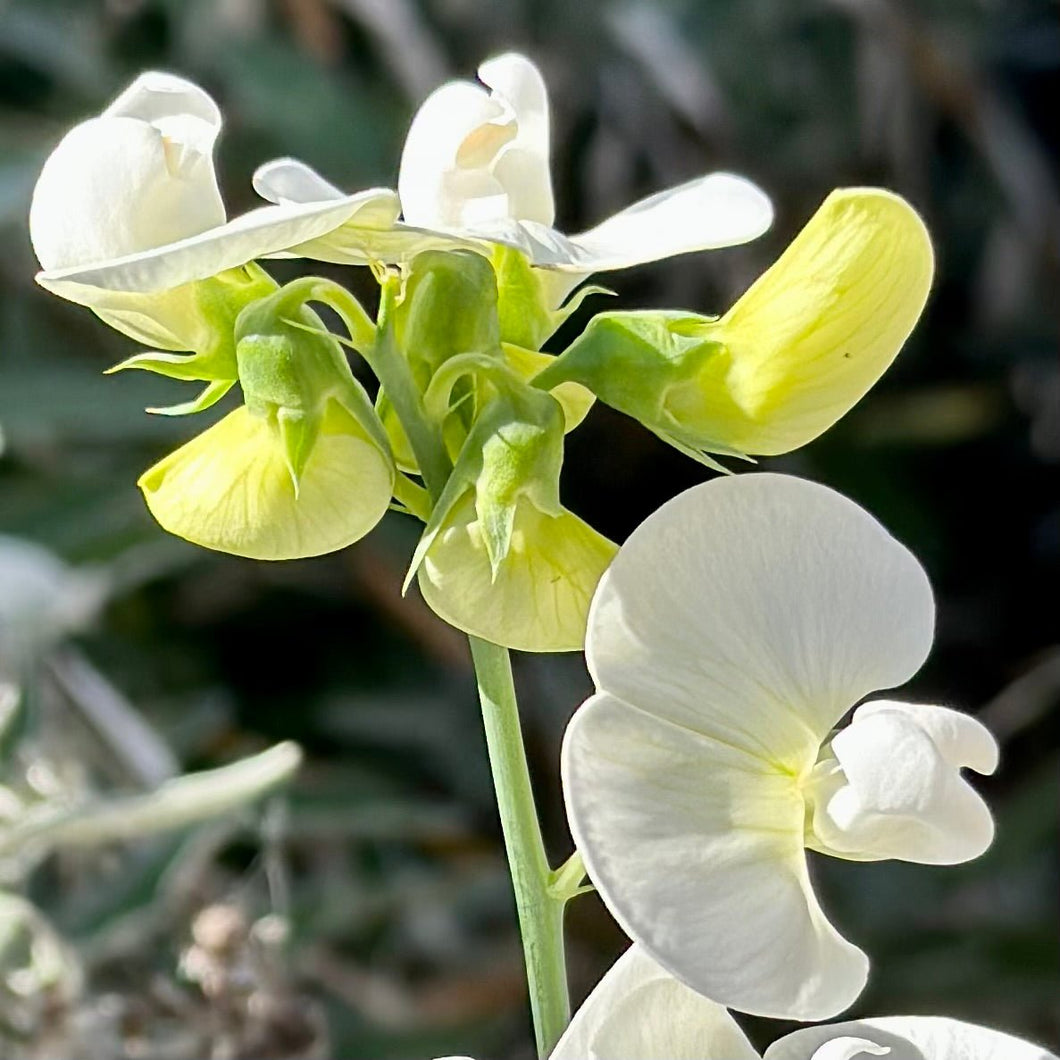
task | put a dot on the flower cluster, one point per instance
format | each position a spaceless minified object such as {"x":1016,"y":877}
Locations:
{"x":730,"y":637}
{"x":127,"y":219}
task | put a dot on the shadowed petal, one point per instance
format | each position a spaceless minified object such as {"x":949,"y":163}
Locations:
{"x":638,"y":1010}
{"x":910,"y":1038}
{"x":696,"y":848}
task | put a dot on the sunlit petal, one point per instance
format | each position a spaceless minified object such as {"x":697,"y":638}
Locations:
{"x":892,"y":793}
{"x":434,"y":190}
{"x":638,"y":1010}
{"x":819,"y":327}
{"x":230,"y":488}
{"x":522,"y":166}
{"x":540,"y":598}
{"x":107,"y":191}
{"x":253,"y":235}
{"x":717,"y":210}
{"x":757,"y":609}
{"x":961,"y":739}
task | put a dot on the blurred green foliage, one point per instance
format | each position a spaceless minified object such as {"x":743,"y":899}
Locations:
{"x":369,"y":910}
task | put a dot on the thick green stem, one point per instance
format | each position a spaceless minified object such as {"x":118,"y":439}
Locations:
{"x":540,"y":911}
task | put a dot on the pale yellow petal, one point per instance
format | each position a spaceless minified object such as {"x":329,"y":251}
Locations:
{"x":229,"y":489}
{"x":575,"y":399}
{"x":818,"y":328}
{"x":540,"y":599}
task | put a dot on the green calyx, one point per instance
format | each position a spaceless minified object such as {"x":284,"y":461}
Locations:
{"x":524,"y":301}
{"x":448,"y":306}
{"x":666,"y":369}
{"x":200,"y":317}
{"x":290,"y":367}
{"x":513,"y":452}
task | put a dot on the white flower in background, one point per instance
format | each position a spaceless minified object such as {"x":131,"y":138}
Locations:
{"x":476,"y":168}
{"x":42,"y":599}
{"x":638,"y":1010}
{"x":128,"y":201}
{"x":733,"y":631}
{"x":904,"y":1038}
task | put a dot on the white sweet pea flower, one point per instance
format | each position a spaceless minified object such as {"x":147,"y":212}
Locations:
{"x":475,"y":158}
{"x":904,"y":1038}
{"x":639,"y":1010}
{"x":128,"y":201}
{"x":734,"y":630}
{"x":475,"y":169}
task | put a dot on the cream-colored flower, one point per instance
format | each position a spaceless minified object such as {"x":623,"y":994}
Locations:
{"x":639,"y":1010}
{"x":904,"y":1038}
{"x":475,"y":169}
{"x":729,"y":637}
{"x":128,"y":201}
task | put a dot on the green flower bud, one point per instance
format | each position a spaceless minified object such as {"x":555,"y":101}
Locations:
{"x":448,"y":307}
{"x":501,"y":558}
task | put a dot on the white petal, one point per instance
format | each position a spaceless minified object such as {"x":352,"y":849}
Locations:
{"x":182,"y":112}
{"x":961,"y":739}
{"x":717,"y":210}
{"x":254,"y":235}
{"x":287,"y":180}
{"x":138,"y":176}
{"x":757,"y":609}
{"x":638,"y":1010}
{"x":696,"y":847}
{"x":911,"y":1038}
{"x":108,"y":190}
{"x":901,"y":798}
{"x":155,"y":96}
{"x":429,"y":181}
{"x":373,"y":234}
{"x":353,"y":244}
{"x":522,"y":167}
{"x":849,"y":1049}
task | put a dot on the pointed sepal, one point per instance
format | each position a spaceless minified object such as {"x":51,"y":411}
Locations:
{"x":527,"y":304}
{"x":208,"y":397}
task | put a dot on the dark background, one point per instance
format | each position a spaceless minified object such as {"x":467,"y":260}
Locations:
{"x":369,"y":909}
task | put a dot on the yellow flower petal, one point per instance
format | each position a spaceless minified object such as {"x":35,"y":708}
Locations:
{"x":540,"y":599}
{"x":229,"y":488}
{"x":817,"y":329}
{"x":575,"y":399}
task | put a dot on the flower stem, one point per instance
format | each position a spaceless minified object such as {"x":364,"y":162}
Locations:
{"x":539,"y":907}
{"x":540,"y":911}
